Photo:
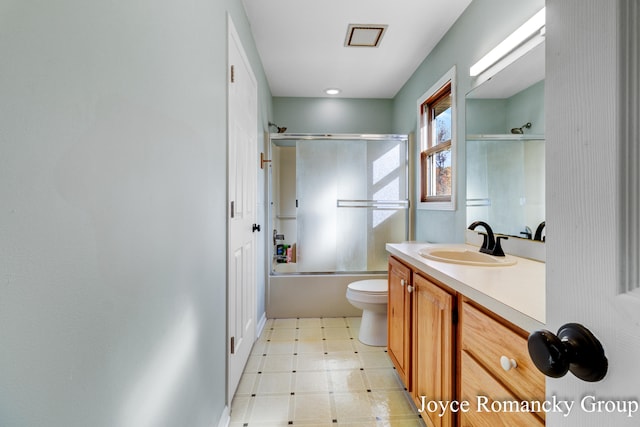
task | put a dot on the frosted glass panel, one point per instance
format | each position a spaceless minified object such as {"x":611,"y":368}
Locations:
{"x":351,"y":201}
{"x":316,"y":189}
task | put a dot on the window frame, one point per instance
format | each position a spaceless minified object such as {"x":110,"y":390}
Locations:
{"x":434,"y":94}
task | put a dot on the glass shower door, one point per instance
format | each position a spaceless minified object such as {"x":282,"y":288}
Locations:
{"x":352,"y":200}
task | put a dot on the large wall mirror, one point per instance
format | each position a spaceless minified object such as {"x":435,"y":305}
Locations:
{"x":505,"y":148}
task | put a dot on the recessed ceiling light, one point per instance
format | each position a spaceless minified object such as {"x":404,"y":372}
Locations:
{"x":332,"y":91}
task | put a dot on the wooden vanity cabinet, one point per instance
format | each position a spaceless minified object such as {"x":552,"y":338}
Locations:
{"x":433,"y":347}
{"x":447,"y":347}
{"x":399,"y":319}
{"x":421,"y":337}
{"x":486,"y":344}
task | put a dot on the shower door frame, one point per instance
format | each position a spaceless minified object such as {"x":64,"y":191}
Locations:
{"x":354,"y":203}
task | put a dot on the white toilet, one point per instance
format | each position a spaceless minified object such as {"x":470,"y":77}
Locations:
{"x":371,"y":297}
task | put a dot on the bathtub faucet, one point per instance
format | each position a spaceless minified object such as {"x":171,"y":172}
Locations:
{"x":277,"y":236}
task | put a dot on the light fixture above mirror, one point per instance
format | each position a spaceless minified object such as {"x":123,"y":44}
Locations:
{"x":505,"y":147}
{"x":525,"y":38}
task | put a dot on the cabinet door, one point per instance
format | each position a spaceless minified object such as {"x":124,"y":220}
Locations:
{"x":433,"y":349}
{"x":399,"y":317}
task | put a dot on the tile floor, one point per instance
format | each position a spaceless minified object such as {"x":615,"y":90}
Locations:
{"x":315,"y":372}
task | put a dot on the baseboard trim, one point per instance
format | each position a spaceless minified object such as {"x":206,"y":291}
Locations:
{"x":260,"y":325}
{"x":225,"y":418}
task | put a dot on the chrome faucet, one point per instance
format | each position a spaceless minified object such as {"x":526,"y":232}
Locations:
{"x":491,"y":243}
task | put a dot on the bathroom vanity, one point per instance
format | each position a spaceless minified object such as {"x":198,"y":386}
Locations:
{"x":458,"y":336}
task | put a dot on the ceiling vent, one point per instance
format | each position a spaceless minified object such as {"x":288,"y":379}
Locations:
{"x":364,"y":35}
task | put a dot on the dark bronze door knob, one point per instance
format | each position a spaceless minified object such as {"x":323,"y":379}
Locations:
{"x":574,"y":349}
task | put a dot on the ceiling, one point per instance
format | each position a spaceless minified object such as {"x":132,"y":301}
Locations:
{"x":302,"y":43}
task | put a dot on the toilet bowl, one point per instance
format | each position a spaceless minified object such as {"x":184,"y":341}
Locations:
{"x":371,"y":297}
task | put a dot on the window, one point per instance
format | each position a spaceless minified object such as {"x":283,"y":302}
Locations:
{"x":437,"y":145}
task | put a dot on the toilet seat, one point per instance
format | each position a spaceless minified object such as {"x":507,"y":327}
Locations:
{"x":368,"y":291}
{"x":373,"y":286}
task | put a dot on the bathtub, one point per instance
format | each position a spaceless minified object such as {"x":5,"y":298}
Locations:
{"x":311,"y":295}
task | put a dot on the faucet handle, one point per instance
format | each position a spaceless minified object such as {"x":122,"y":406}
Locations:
{"x":497,"y":249}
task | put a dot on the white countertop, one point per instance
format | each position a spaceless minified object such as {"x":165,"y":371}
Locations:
{"x":517,"y":292}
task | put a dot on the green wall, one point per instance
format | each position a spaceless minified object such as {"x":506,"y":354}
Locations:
{"x":495,"y":116}
{"x":113,"y":176}
{"x":484,"y":24}
{"x":333,"y":115}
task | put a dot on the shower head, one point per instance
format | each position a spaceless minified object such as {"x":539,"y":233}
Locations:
{"x":279,"y":129}
{"x":520,"y":130}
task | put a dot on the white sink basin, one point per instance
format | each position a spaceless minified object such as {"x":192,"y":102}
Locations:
{"x":466,"y":257}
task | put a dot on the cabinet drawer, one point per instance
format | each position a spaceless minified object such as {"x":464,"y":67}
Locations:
{"x":478,"y":384}
{"x":487,"y":340}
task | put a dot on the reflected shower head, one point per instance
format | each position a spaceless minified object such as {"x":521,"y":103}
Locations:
{"x":279,"y":129}
{"x":520,"y":130}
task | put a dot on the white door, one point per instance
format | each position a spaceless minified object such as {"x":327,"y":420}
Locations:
{"x":243,"y":163}
{"x":593,"y":196}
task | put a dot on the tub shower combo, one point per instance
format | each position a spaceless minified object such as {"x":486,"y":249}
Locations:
{"x":335,"y":201}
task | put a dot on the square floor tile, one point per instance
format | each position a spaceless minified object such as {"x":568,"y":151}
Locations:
{"x":347,"y":380}
{"x":343,"y":360}
{"x":310,"y":334}
{"x":383,"y":379}
{"x":311,"y":381}
{"x":340,"y":345}
{"x":314,"y":407}
{"x":273,"y":383}
{"x":270,"y":409}
{"x":286,"y":334}
{"x":285,"y":323}
{"x":281,"y":347}
{"x":334,"y":322}
{"x":277,"y":363}
{"x":316,"y":346}
{"x":316,"y":373}
{"x":309,"y":323}
{"x":310,"y":362}
{"x":336,"y":333}
{"x":354,"y":405}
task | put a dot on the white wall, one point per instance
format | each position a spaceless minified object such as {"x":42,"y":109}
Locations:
{"x":113,"y":211}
